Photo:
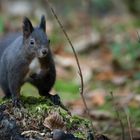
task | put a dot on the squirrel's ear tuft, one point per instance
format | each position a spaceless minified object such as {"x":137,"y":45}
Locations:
{"x":43,"y":23}
{"x":27,"y":27}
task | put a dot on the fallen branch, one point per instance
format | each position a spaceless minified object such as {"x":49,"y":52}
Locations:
{"x":77,"y":61}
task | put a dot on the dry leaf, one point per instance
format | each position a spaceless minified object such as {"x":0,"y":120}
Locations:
{"x":54,"y":121}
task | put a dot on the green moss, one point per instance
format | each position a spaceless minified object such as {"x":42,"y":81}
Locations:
{"x":79,"y":135}
{"x":75,"y":123}
{"x":36,"y":109}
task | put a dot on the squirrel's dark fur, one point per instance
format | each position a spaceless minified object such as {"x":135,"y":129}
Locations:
{"x":19,"y":54}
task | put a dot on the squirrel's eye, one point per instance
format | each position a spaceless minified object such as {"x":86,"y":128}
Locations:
{"x":32,"y":42}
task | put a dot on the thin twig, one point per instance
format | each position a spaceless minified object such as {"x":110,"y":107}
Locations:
{"x":129,"y":124}
{"x":138,"y":36}
{"x":77,"y":61}
{"x":118,"y":116}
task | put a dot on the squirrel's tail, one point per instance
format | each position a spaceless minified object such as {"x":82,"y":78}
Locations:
{"x":6,"y":41}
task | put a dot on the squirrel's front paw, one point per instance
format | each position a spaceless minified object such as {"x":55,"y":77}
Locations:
{"x":17,"y":103}
{"x":55,"y":99}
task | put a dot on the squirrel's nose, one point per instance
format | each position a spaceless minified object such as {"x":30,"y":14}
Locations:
{"x":44,"y":51}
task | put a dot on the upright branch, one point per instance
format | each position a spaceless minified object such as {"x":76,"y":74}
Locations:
{"x":138,"y":36}
{"x":118,"y":116}
{"x":77,"y":61}
{"x":129,"y":123}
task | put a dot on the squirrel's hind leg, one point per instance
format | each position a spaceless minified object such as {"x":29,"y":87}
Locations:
{"x":7,"y":93}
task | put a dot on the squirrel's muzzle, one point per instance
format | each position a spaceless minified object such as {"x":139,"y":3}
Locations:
{"x":43,"y":52}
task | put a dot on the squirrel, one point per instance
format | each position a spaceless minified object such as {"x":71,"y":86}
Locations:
{"x":27,"y":57}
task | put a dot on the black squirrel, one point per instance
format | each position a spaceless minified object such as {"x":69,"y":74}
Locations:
{"x":27,"y":57}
